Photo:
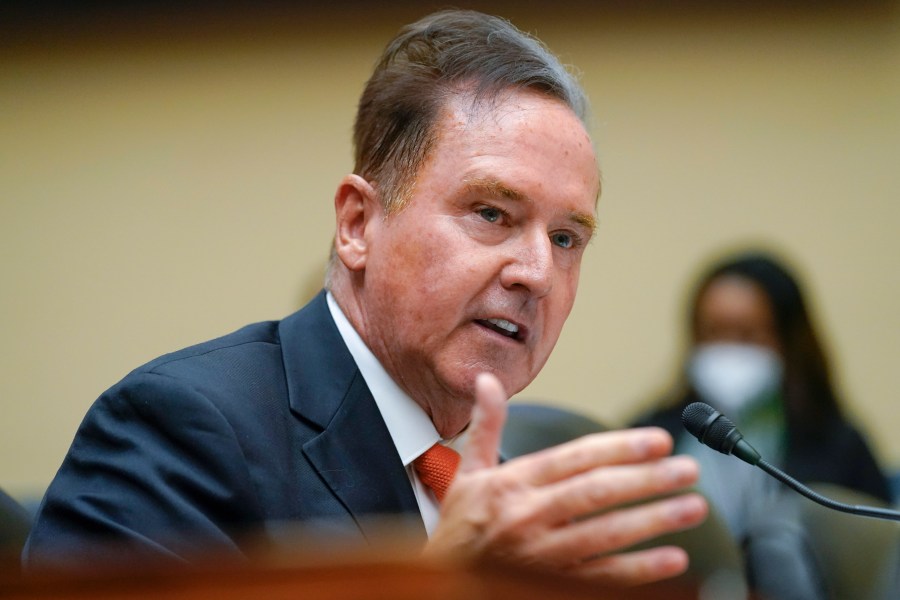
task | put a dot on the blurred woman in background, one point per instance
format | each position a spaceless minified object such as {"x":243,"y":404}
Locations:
{"x":754,"y":355}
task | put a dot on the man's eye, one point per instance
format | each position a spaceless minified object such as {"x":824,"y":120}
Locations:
{"x":562,"y":239}
{"x":491,"y":215}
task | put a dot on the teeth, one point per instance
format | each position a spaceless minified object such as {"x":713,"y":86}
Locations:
{"x":505,"y":325}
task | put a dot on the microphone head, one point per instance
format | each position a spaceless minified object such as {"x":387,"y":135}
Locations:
{"x":710,"y":426}
{"x":717,"y":431}
{"x":695,"y":417}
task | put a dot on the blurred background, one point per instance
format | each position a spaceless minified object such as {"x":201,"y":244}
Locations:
{"x":167,"y":172}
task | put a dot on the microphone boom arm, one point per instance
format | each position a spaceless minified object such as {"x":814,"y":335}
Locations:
{"x":854,"y":509}
{"x":715,"y":430}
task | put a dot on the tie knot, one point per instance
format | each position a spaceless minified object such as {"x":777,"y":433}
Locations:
{"x":436,"y":468}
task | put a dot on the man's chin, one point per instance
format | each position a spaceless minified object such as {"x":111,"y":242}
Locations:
{"x":457,"y":376}
{"x":512,"y":381}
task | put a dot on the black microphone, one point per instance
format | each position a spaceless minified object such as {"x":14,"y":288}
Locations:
{"x":718,"y":432}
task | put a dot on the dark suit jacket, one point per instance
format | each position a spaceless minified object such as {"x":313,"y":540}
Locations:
{"x":188,"y":454}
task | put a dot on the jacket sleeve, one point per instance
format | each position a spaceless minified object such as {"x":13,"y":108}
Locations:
{"x":837,"y":453}
{"x":863,"y":472}
{"x":155,"y":473}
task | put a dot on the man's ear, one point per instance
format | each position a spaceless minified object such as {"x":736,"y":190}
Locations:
{"x":355,"y":207}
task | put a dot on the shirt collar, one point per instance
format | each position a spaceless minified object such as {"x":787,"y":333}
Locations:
{"x":410,"y":427}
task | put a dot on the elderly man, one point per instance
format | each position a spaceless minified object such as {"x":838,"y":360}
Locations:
{"x":457,"y":251}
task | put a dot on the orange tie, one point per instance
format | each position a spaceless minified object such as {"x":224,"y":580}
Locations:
{"x":436,"y":468}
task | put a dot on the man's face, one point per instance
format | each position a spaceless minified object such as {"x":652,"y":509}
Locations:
{"x":479,"y":271}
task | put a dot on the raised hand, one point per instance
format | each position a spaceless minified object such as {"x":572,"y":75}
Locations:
{"x":574,"y":508}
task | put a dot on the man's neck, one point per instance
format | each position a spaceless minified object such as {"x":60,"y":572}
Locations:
{"x":410,"y":427}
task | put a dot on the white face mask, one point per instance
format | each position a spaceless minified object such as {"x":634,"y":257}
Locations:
{"x":732,"y":376}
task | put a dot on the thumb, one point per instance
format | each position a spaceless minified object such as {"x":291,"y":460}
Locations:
{"x":488,"y":415}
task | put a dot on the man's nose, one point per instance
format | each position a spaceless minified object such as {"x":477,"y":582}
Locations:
{"x":530,"y":265}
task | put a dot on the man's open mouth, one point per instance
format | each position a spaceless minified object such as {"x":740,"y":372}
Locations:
{"x":502,"y":326}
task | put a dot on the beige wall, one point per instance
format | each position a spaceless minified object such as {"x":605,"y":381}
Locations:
{"x":156,"y":193}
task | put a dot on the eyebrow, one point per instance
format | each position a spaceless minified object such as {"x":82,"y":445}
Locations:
{"x":494,"y":188}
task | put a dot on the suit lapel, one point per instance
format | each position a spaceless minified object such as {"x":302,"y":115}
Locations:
{"x":354,"y":454}
{"x":356,"y":458}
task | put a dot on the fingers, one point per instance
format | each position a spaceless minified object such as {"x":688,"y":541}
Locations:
{"x":606,"y":487}
{"x":571,"y":508}
{"x":626,"y":446}
{"x":612,"y":531}
{"x":488,"y":416}
{"x":634,"y":568}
